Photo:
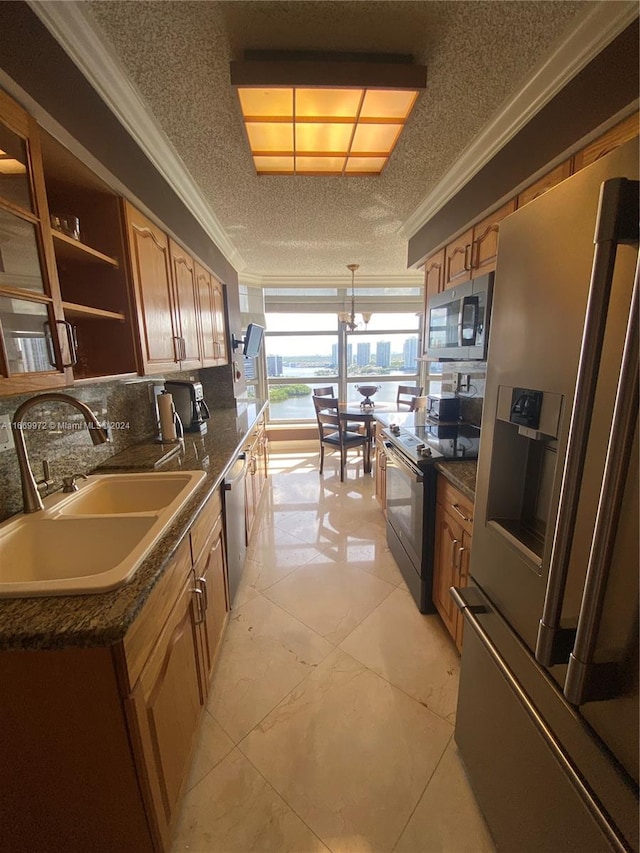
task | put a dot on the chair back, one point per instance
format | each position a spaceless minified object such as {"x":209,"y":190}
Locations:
{"x":328,"y":415}
{"x":406,"y":394}
{"x":327,"y":391}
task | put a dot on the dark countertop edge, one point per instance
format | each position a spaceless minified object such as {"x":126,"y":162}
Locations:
{"x":448,"y":470}
{"x":155,"y":565}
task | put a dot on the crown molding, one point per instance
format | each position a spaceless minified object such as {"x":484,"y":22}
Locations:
{"x":604,"y":21}
{"x":73,"y":28}
{"x":411,"y":278}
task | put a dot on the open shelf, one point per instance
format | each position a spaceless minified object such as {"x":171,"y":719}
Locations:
{"x":73,"y":309}
{"x":67,"y":248}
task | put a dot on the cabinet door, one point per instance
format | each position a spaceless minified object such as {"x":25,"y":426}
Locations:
{"x":458,"y":260}
{"x":211,"y":575}
{"x":381,"y":476}
{"x":434,"y":269}
{"x":35,"y":343}
{"x":151,"y":274}
{"x":551,"y":179}
{"x":167,"y":706}
{"x":465,"y":557}
{"x":207,"y":317}
{"x":185,"y":294}
{"x":220,"y":340}
{"x":485,"y":239}
{"x":447,"y":567}
{"x":608,"y":142}
{"x":251,"y":490}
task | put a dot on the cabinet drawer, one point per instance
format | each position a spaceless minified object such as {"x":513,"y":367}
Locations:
{"x":142,"y":636}
{"x":455,"y":503}
{"x":204,"y":525}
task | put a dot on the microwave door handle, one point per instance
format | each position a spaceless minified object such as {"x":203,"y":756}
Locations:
{"x":463,"y":324}
{"x":616,"y":222}
{"x":582,"y":682}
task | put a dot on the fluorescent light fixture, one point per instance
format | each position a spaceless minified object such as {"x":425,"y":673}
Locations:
{"x":309,"y":114}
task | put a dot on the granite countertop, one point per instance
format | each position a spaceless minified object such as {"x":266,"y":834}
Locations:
{"x":101,"y":619}
{"x":462,"y":474}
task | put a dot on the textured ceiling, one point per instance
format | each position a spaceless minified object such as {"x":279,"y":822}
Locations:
{"x":177,"y":54}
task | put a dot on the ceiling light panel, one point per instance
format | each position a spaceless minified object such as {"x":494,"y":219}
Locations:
{"x":312,"y":115}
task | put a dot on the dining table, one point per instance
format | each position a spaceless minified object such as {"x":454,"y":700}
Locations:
{"x":353,"y":412}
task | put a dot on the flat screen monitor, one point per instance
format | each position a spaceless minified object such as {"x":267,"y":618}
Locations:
{"x":252,"y":340}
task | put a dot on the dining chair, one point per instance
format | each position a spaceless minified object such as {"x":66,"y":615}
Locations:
{"x":418,"y":404}
{"x":406,"y":394}
{"x":327,"y":391}
{"x":333,"y":432}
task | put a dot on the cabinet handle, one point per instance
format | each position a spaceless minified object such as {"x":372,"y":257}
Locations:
{"x":203,"y":582}
{"x":51,"y":352}
{"x":464,"y":517}
{"x":454,"y":542}
{"x":474,"y":253}
{"x":72,"y":340}
{"x":467,"y":253}
{"x":460,"y":553}
{"x":200,"y":617}
{"x":176,"y":348}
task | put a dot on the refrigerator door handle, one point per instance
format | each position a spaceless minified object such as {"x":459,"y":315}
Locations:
{"x":617,"y":222}
{"x":582,"y":682}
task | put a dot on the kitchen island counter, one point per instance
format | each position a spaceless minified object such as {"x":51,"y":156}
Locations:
{"x":102,"y":619}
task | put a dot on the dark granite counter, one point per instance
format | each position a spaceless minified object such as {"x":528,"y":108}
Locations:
{"x":462,"y":474}
{"x":101,"y":619}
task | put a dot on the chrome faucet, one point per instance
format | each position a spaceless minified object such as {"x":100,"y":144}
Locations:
{"x":30,"y":493}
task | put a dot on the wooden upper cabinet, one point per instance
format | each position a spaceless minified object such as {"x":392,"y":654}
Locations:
{"x":151,"y":276}
{"x":186,"y":306}
{"x":458,"y":260}
{"x":434,"y":275}
{"x":484,"y":249}
{"x":35,"y":342}
{"x":212,"y":326}
{"x":555,"y":176}
{"x":608,"y":142}
{"x":217,"y":291}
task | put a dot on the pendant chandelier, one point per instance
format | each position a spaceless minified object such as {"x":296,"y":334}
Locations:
{"x":349,"y":318}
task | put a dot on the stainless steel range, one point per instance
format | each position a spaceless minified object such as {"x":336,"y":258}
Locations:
{"x":413,"y":443}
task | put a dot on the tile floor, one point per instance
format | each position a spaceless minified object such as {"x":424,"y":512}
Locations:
{"x":330,"y":720}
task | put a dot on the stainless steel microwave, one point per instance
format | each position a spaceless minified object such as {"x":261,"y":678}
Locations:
{"x":457,"y":321}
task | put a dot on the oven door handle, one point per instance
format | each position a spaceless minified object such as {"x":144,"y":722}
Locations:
{"x":401,"y":462}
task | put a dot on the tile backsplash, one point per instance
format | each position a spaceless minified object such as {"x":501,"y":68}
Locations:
{"x":471,"y":400}
{"x":56,"y":431}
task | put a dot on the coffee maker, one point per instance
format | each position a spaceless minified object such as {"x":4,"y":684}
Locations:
{"x":188,"y":399}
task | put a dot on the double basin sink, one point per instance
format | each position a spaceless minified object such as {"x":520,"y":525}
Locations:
{"x":94,"y":539}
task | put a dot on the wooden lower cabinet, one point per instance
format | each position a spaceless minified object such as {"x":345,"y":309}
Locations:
{"x":166,"y":711}
{"x":381,"y":475}
{"x":98,"y":742}
{"x":257,"y":450}
{"x":454,"y":520}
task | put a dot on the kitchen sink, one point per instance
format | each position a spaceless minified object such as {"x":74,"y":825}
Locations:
{"x":94,"y":539}
{"x":123,"y":494}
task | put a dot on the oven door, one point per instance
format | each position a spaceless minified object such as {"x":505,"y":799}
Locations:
{"x":405,"y":503}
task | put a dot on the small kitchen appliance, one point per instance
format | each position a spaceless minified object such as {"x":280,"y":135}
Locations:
{"x":445,"y":407}
{"x":188,"y":399}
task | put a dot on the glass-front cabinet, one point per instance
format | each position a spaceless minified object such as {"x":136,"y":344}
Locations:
{"x":35,"y":342}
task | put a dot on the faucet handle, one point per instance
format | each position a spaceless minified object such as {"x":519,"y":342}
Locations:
{"x":69,"y":483}
{"x":46,"y":480}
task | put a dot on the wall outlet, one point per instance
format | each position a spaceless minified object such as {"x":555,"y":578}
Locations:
{"x":6,"y":433}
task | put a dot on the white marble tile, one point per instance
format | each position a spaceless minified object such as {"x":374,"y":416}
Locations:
{"x":331,"y":598}
{"x":350,"y":753}
{"x":266,"y":652}
{"x":447,"y":818}
{"x":275,"y":554}
{"x":234,"y":810}
{"x":411,"y":650}
{"x":213,"y":745}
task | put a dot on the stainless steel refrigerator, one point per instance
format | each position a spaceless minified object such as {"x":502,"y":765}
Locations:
{"x":547,"y":721}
